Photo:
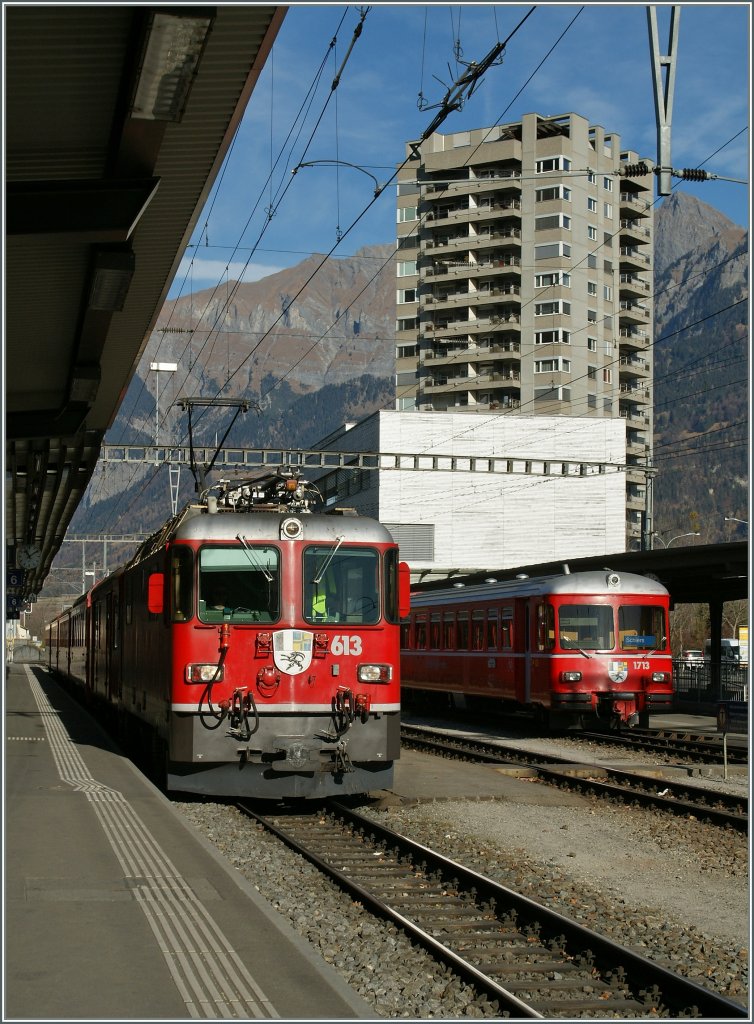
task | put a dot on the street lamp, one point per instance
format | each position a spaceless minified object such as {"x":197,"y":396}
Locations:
{"x":168,"y":368}
{"x":677,"y":537}
{"x":732,"y":519}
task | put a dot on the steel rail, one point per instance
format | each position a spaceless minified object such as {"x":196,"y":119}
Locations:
{"x":635,"y":982}
{"x":664,"y":794}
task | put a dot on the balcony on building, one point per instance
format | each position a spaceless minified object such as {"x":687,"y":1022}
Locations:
{"x":634,"y":337}
{"x":632,"y":284}
{"x":633,"y":312}
{"x":634,"y":231}
{"x":630,"y":256}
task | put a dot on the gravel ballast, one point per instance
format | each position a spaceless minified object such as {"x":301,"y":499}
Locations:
{"x":675,"y":890}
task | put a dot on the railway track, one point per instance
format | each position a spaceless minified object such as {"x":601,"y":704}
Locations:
{"x":529,"y":960}
{"x":724,"y":809}
{"x":692,"y":747}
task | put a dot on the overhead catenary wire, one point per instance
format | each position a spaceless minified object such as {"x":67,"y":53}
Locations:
{"x":284,"y":377}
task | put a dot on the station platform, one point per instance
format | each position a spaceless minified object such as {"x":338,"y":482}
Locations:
{"x":115,"y":908}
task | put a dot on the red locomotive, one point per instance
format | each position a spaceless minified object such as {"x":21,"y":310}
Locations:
{"x":251,"y":646}
{"x":565,"y":647}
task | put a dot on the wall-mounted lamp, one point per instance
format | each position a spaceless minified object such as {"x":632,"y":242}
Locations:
{"x":111,"y":279}
{"x":173,"y":48}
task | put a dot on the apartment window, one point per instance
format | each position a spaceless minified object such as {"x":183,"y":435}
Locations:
{"x":591,"y":177}
{"x":608,"y":348}
{"x":607,"y":266}
{"x":607,"y":375}
{"x":607,"y":293}
{"x":592,"y":232}
{"x":591,"y":401}
{"x":591,"y":344}
{"x":406,"y":268}
{"x":542,"y":195}
{"x":552,"y":394}
{"x":405,"y":379}
{"x":406,"y":295}
{"x":549,"y":308}
{"x":552,"y":365}
{"x":591,"y":316}
{"x":607,"y":323}
{"x":407,"y":323}
{"x":554,"y":337}
{"x":556,"y":220}
{"x":591,"y":288}
{"x":553,"y":163}
{"x":607,"y":184}
{"x":408,"y":188}
{"x":608,"y":210}
{"x":591,"y":261}
{"x":591,"y":205}
{"x":406,"y":351}
{"x":552,"y":250}
{"x":406,"y":213}
{"x":607,"y":239}
{"x":607,"y":405}
{"x":557,"y":277}
{"x":591,"y":372}
{"x":407,"y":241}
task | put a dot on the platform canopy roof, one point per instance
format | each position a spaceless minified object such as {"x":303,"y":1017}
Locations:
{"x":117,"y":120}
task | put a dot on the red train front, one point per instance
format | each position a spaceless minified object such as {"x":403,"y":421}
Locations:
{"x":256,"y":649}
{"x":566,"y":647}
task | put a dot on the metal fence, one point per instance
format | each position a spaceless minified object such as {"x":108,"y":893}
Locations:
{"x":707,"y":683}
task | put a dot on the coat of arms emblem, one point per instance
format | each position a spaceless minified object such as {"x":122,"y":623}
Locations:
{"x":618,"y":671}
{"x":292,"y":650}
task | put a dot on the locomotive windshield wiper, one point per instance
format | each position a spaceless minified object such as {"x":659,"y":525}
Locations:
{"x":250,"y":555}
{"x":331,"y":555}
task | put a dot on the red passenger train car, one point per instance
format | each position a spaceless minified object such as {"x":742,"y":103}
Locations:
{"x":568,"y":647}
{"x":251,"y":646}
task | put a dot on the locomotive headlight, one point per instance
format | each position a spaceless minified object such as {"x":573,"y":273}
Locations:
{"x":660,"y":677}
{"x":205,"y":673}
{"x":570,"y":677}
{"x":374,"y":673}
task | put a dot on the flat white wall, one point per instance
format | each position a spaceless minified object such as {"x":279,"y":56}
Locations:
{"x":485,"y":520}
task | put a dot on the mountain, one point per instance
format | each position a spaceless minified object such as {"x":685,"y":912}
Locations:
{"x":701,"y":369}
{"x":311,"y":347}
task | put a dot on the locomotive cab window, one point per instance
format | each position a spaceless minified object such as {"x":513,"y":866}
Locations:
{"x":181,"y":574}
{"x":641,"y":627}
{"x":341,"y":585}
{"x":545,"y":627}
{"x":239,"y":584}
{"x":586,"y":627}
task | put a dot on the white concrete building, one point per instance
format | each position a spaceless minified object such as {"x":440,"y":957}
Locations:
{"x":491,"y":491}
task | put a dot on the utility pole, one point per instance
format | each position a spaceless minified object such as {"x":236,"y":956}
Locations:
{"x":664,"y":87}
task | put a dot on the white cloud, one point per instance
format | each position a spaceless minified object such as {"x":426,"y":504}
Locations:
{"x":195,"y":272}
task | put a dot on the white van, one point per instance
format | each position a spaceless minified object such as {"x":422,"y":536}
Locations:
{"x":730,"y":651}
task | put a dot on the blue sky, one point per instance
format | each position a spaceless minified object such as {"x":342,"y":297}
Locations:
{"x":260,"y":217}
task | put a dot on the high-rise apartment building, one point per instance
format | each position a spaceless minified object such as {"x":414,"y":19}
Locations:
{"x":524,"y":280}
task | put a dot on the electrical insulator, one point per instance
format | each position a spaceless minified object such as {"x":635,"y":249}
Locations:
{"x":694,"y":174}
{"x":634,"y":170}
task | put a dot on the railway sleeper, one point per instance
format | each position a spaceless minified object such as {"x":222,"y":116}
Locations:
{"x":601,"y":1006}
{"x":538,"y":967}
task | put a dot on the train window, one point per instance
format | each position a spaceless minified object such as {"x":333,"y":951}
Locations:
{"x":449,"y":631}
{"x":491,"y":629}
{"x":641,"y":627}
{"x":506,"y":628}
{"x":462,"y":635}
{"x":545,"y":627}
{"x":586,"y":627}
{"x":477,"y":631}
{"x":392,"y":611}
{"x":435,"y":627}
{"x":239,"y":584}
{"x":341,"y":585}
{"x":420,"y":634}
{"x":181,"y":576}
